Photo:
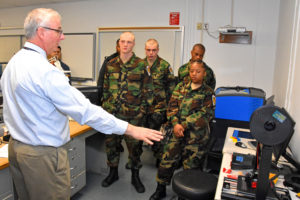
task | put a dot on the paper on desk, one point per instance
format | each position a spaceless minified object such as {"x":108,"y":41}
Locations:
{"x":4,"y":151}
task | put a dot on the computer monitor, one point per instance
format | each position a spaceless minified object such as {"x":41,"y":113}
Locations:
{"x":90,"y":92}
{"x":270,"y":100}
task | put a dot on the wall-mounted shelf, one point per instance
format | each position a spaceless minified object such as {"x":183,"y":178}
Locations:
{"x":237,"y":38}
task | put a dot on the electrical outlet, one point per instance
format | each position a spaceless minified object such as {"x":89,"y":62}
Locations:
{"x":202,"y":26}
{"x":205,"y":26}
{"x":199,"y":26}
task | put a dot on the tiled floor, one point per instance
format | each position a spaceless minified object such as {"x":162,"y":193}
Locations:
{"x":122,"y":189}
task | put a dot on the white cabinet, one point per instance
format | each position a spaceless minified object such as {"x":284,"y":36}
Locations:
{"x":76,"y":154}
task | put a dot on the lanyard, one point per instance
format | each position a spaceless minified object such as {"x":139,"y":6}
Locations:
{"x":30,"y":49}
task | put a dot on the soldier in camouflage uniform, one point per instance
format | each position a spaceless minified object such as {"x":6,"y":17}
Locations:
{"x":190,"y":110}
{"x":161,"y":83}
{"x":197,"y":53}
{"x":159,"y":90}
{"x":123,"y":96}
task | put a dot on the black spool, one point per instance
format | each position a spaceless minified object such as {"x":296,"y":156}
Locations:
{"x":270,"y":125}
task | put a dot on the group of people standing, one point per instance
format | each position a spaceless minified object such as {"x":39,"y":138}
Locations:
{"x":145,"y":93}
{"x":37,"y":103}
{"x":38,"y":99}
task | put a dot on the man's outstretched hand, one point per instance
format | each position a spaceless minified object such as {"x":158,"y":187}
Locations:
{"x":145,"y":134}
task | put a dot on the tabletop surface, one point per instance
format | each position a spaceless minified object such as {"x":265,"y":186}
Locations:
{"x":75,"y":130}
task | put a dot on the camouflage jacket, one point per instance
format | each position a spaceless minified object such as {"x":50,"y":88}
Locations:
{"x":124,"y":88}
{"x":160,"y":85}
{"x":193,"y":109}
{"x":183,"y":74}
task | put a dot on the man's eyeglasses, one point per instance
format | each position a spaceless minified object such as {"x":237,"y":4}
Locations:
{"x":52,"y":29}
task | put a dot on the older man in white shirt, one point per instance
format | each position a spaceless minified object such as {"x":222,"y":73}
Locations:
{"x":37,"y":100}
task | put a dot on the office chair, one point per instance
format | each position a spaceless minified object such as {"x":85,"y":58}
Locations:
{"x":197,"y":184}
{"x":194,"y":184}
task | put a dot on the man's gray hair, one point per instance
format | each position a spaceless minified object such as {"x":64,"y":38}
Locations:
{"x":36,"y":18}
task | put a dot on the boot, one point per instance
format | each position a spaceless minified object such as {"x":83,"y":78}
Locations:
{"x":111,"y":178}
{"x":159,"y":193}
{"x":136,"y":182}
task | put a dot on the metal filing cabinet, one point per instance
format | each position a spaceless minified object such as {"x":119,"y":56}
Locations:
{"x":6,"y":189}
{"x":76,"y":153}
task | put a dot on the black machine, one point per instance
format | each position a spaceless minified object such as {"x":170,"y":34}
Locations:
{"x":273,"y":128}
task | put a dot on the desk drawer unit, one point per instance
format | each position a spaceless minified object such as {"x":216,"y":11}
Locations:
{"x":78,"y":182}
{"x":6,"y":189}
{"x":76,"y":153}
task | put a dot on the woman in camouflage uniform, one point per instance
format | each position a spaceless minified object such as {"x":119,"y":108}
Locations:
{"x":190,"y":110}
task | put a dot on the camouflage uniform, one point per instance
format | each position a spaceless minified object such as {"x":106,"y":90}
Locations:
{"x":193,"y":109}
{"x":183,"y":74}
{"x":123,"y":96}
{"x":161,"y":83}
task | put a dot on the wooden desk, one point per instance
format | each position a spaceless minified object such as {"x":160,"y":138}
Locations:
{"x":3,"y":163}
{"x":76,"y":153}
{"x":76,"y":129}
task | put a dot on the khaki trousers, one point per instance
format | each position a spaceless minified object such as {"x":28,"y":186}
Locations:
{"x":39,"y":172}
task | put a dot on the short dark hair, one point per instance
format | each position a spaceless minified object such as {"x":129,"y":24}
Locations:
{"x":59,"y":47}
{"x":200,"y":62}
{"x":197,"y":61}
{"x":201,"y":46}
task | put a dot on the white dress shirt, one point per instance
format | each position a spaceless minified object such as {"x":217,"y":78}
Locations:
{"x":37,"y":99}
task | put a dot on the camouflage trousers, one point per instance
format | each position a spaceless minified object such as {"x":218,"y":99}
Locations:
{"x":190,"y":149}
{"x":113,"y":143}
{"x":154,"y":121}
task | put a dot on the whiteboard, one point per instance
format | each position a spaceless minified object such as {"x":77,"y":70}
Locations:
{"x":9,"y":45}
{"x":170,"y":41}
{"x":78,"y":52}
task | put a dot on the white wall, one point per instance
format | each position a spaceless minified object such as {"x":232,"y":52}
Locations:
{"x":284,"y":51}
{"x":242,"y":64}
{"x":286,"y":84}
{"x":234,"y":64}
